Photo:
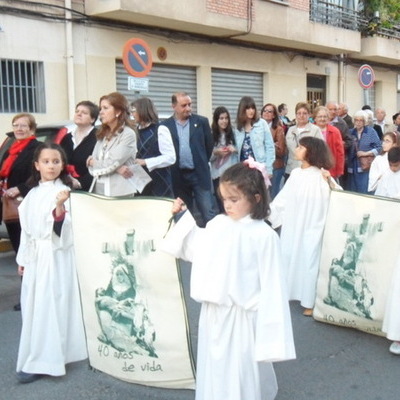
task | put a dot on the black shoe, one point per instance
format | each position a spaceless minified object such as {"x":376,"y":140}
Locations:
{"x":17,"y":307}
{"x":23,"y":377}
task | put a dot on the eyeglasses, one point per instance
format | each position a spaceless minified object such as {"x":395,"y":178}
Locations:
{"x":22,"y":126}
{"x":268,"y":111}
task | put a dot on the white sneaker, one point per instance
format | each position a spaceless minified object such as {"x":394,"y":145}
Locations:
{"x":395,"y":348}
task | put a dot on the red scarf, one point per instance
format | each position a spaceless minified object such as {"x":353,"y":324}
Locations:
{"x":13,"y":152}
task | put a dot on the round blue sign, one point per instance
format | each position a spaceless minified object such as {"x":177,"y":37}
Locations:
{"x":366,"y":76}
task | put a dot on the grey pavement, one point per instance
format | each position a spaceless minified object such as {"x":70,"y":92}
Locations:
{"x":332,"y":363}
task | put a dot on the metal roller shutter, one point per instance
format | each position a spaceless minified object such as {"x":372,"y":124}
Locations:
{"x":229,"y":86}
{"x":163,"y":81}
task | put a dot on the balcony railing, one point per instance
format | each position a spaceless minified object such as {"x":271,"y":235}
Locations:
{"x":328,"y":13}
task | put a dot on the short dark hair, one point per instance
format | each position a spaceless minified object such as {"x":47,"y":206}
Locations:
{"x":250,"y":182}
{"x":394,"y":155}
{"x":366,"y":107}
{"x":174,"y":97}
{"x":318,"y":153}
{"x":395,"y":117}
{"x":93,"y":109}
{"x":281,"y":107}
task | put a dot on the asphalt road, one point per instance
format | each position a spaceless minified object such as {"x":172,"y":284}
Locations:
{"x":332,"y":363}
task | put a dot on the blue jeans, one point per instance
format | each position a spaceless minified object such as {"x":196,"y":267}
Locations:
{"x":195,"y":197}
{"x":359,"y":182}
{"x":277,"y":176}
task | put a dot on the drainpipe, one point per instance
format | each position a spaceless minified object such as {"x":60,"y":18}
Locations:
{"x":341,"y":79}
{"x":70,"y":59}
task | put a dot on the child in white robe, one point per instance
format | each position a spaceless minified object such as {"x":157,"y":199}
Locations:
{"x":301,"y":208}
{"x":52,"y":326}
{"x":389,"y":186}
{"x":236,"y":276}
{"x":380,"y":164}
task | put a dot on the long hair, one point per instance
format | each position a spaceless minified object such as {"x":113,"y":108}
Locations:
{"x":318,"y":153}
{"x":146,"y":111}
{"x":215,"y":128}
{"x":35,"y":176}
{"x":251,"y":183}
{"x":245,"y":103}
{"x":121,"y":106}
{"x":275,"y":120}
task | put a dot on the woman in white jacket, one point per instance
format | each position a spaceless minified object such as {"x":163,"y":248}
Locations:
{"x":115,"y":151}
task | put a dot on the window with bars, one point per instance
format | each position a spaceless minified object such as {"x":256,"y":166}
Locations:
{"x":22,"y":86}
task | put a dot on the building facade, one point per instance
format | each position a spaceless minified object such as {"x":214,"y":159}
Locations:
{"x":56,"y":53}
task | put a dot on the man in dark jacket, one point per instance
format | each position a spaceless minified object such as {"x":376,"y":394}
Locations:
{"x":191,"y":135}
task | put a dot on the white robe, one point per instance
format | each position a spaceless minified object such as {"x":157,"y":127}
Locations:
{"x":378,"y":167}
{"x":245,"y":318}
{"x":389,"y":185}
{"x":301,"y":208}
{"x":52,"y":326}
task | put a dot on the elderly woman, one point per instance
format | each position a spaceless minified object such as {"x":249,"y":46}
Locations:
{"x":79,"y":144}
{"x":156,"y":151}
{"x":113,"y":158}
{"x":270,"y":114}
{"x":252,"y":135}
{"x":366,"y":145}
{"x":302,"y":128}
{"x":16,"y":166}
{"x":333,"y":139}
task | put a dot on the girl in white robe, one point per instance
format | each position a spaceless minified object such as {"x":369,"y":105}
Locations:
{"x":300,"y":209}
{"x":389,"y":186}
{"x":380,"y":164}
{"x":236,"y":276}
{"x":52,"y":326}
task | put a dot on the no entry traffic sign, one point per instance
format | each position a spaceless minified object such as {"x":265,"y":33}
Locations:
{"x":137,"y":58}
{"x":366,"y":76}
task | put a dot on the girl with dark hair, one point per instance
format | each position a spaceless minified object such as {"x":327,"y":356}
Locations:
{"x":300,"y":208}
{"x":252,"y":135}
{"x":270,"y":113}
{"x":380,"y":164}
{"x":245,"y":320}
{"x":52,"y":326}
{"x":224,"y":153}
{"x":113,"y":157}
{"x":156,"y":151}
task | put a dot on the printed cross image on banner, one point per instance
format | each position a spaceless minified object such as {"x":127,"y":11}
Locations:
{"x":360,"y":250}
{"x":132,"y":298}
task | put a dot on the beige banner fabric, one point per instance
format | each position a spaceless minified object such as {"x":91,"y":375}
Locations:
{"x":133,"y":305}
{"x":359,"y":253}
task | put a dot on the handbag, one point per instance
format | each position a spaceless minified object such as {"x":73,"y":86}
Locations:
{"x":10,"y":208}
{"x":365,"y":162}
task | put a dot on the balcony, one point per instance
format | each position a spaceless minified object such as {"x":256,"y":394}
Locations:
{"x":293,"y":31}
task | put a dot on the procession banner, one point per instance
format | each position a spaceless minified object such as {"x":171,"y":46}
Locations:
{"x":132,"y":299}
{"x":359,"y":252}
